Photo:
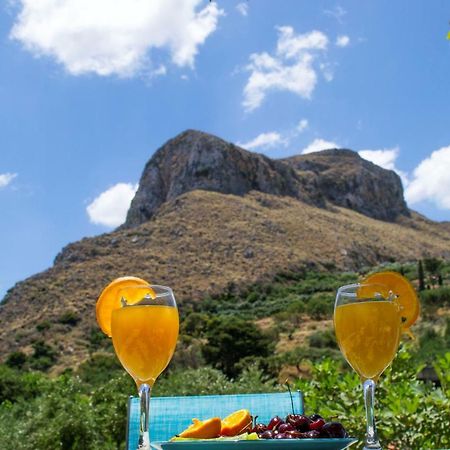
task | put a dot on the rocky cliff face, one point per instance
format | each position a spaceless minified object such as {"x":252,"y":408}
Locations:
{"x":195,"y":160}
{"x":347,"y":180}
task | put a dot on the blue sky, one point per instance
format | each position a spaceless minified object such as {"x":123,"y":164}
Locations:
{"x":89,"y":89}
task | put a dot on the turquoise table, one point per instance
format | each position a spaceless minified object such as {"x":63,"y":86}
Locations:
{"x":171,"y":415}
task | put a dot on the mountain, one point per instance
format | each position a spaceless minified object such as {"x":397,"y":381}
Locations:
{"x":195,"y":160}
{"x":345,"y":179}
{"x":210,"y":216}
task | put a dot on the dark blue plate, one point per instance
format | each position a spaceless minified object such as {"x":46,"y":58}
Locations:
{"x":263,"y":444}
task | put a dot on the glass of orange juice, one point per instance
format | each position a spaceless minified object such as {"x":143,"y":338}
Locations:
{"x":144,"y":332}
{"x":367,"y":323}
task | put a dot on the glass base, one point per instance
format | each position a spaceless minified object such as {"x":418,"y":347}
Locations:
{"x":374,"y":446}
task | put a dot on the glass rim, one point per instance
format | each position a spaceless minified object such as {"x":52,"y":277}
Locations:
{"x":349,"y":290}
{"x":160,"y":290}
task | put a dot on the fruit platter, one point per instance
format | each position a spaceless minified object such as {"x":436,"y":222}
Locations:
{"x":240,"y":429}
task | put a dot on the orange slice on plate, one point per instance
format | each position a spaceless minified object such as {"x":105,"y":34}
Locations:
{"x":202,"y":429}
{"x":406,"y":295}
{"x":109,"y":300}
{"x":236,"y":423}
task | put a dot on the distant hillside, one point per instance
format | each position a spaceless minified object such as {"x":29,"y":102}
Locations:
{"x":204,"y":241}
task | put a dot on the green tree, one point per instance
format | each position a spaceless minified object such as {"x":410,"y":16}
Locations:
{"x":421,"y":276}
{"x":433,"y":267}
{"x":99,"y":369}
{"x":230,"y":339}
{"x":195,"y":324}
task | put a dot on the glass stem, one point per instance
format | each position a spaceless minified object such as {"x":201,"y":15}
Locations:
{"x":371,"y":431}
{"x":144,"y":396}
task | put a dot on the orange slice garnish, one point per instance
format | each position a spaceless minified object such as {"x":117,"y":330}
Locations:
{"x":109,"y":300}
{"x":406,"y":295}
{"x":203,"y":429}
{"x":236,"y":423}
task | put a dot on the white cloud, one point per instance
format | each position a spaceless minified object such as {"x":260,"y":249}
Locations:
{"x":114,"y":37}
{"x":338,"y":12}
{"x":385,"y":158}
{"x":342,"y":41}
{"x":291,"y":45}
{"x":318,"y":145}
{"x":291,"y":68}
{"x":6,"y":178}
{"x":327,"y":71}
{"x":160,"y":71}
{"x":265,"y":140}
{"x":431,"y":180}
{"x":242,"y":8}
{"x":110,"y":207}
{"x":302,"y":125}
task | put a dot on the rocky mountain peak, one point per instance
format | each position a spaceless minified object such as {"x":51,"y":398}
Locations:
{"x":196,"y":160}
{"x":345,"y":179}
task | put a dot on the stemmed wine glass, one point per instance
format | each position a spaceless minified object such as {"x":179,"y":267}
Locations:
{"x":367,"y":323}
{"x":144,"y":334}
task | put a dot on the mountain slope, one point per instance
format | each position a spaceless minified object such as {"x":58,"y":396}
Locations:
{"x":201,"y":242}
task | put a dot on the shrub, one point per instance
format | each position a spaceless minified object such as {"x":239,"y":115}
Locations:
{"x":97,"y":339}
{"x":43,"y":357}
{"x":16,"y":360}
{"x":323,"y":339}
{"x":436,"y":297}
{"x":188,"y":354}
{"x":44,"y":325}
{"x":69,"y":318}
{"x":231,"y":339}
{"x":321,"y":307}
{"x":409,"y":412}
{"x":99,"y":369}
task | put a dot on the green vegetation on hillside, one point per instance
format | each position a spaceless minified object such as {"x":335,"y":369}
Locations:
{"x":248,"y":342}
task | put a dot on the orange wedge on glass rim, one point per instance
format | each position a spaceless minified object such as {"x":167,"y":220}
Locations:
{"x":405,"y":293}
{"x":110,"y":300}
{"x":236,"y":423}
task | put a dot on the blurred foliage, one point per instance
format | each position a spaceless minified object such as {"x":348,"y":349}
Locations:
{"x":410,"y":413}
{"x":223,"y":350}
{"x":66,"y":413}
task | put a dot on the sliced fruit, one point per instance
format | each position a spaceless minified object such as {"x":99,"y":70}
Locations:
{"x":109,"y":300}
{"x":236,"y":423}
{"x":203,"y":429}
{"x":405,"y":292}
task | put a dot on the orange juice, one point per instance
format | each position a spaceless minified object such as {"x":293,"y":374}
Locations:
{"x":368,"y":334}
{"x":144,"y":338}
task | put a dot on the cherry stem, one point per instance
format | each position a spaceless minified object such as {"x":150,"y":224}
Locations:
{"x":290,"y":394}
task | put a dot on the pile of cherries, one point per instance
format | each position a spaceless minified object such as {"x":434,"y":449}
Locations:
{"x":298,"y":426}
